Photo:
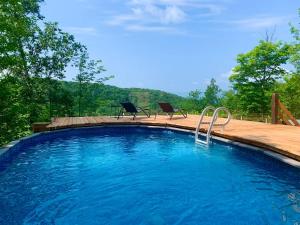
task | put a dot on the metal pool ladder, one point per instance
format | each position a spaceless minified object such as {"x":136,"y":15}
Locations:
{"x":212,"y":123}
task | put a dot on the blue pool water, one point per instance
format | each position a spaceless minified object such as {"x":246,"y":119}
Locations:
{"x":143,"y":176}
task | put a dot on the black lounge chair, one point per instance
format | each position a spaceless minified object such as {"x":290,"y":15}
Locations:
{"x":168,"y":108}
{"x":128,"y":107}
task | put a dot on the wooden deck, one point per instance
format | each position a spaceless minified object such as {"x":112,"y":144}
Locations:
{"x":279,"y":138}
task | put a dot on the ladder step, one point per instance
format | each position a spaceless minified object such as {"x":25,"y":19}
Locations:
{"x":200,"y":141}
{"x":211,"y":123}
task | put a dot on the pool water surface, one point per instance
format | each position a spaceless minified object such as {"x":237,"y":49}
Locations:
{"x":134,"y":175}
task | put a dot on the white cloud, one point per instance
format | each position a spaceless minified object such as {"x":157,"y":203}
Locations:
{"x":147,"y":28}
{"x":161,"y":29}
{"x":159,"y":14}
{"x":82,"y":30}
{"x":172,"y":14}
{"x":260,"y":22}
{"x":151,"y":14}
{"x":123,"y":19}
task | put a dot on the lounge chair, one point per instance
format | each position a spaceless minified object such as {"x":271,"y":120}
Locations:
{"x":130,"y":108}
{"x":168,"y":108}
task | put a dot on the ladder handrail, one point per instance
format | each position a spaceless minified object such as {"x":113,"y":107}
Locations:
{"x":212,"y":122}
{"x":205,"y":110}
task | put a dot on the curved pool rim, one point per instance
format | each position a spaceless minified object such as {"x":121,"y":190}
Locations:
{"x":9,"y":151}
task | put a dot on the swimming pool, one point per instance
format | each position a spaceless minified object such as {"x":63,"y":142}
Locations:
{"x":135,"y":175}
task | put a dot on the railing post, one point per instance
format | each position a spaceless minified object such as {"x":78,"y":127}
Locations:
{"x":275,"y":108}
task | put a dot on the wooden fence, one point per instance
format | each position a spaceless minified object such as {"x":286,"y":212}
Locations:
{"x":280,"y":114}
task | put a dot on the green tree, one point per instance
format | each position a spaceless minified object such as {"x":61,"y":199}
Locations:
{"x":16,"y":21}
{"x":212,"y":94}
{"x":295,"y":46}
{"x":290,"y":89}
{"x":13,"y":119}
{"x":87,"y":73}
{"x":34,"y":54}
{"x":51,"y":52}
{"x":255,"y":76}
{"x":230,"y":101}
{"x":194,"y":102}
{"x":62,"y":99}
{"x":195,"y":94}
{"x":17,"y":18}
{"x":197,"y":101}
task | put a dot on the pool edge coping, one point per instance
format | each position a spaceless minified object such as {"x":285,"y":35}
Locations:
{"x":270,"y":152}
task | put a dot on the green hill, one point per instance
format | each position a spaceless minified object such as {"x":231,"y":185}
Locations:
{"x":98,"y":99}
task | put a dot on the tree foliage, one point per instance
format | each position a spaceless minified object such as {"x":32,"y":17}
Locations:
{"x":290,"y":89}
{"x":295,"y":46}
{"x":34,"y":54}
{"x":212,"y":94}
{"x":255,"y":76}
{"x":87,"y":73}
{"x":197,"y":101}
{"x":194,"y":102}
{"x":231,"y":101}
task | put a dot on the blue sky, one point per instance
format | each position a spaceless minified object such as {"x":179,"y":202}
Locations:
{"x":172,"y":45}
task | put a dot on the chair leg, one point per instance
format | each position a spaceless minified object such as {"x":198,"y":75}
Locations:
{"x":120,"y":112}
{"x":184,"y":114}
{"x":144,"y":111}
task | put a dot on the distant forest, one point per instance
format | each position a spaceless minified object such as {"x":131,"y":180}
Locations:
{"x":100,"y":99}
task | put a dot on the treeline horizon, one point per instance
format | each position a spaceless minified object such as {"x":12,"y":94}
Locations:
{"x":35,"y":54}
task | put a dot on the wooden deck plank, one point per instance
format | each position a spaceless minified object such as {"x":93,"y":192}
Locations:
{"x":98,"y":119}
{"x":280,"y":138}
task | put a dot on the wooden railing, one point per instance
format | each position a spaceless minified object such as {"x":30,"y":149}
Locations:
{"x":280,"y":114}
